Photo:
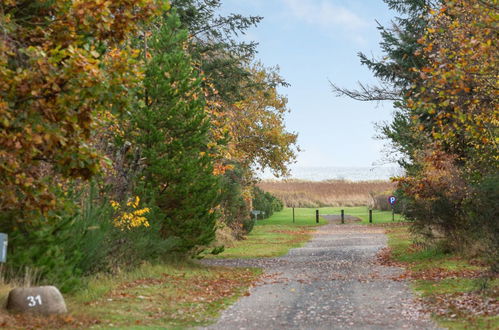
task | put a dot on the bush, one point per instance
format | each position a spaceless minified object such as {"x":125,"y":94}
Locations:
{"x":483,"y":212}
{"x":235,"y":201}
{"x":63,"y":246}
{"x":266,"y":202}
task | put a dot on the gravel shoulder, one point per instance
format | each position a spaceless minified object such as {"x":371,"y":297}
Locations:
{"x":333,"y":282}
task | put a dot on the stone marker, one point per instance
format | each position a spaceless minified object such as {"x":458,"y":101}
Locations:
{"x":44,"y":300}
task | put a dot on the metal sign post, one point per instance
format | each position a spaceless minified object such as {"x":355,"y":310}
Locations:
{"x":392,"y":200}
{"x":3,"y":247}
{"x":256,"y":213}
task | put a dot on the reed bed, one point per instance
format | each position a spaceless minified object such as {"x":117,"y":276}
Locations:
{"x":298,"y":193}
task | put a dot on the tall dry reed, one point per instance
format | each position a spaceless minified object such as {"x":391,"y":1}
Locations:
{"x":298,"y":193}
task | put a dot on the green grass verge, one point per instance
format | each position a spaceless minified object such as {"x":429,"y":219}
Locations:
{"x":172,"y":296}
{"x":275,"y":236}
{"x":444,"y":282}
{"x":161,"y":296}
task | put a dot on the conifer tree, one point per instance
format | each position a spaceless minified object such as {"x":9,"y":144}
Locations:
{"x":394,"y":71}
{"x":172,"y":130}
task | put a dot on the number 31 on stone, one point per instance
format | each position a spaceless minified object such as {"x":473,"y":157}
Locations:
{"x":34,"y":300}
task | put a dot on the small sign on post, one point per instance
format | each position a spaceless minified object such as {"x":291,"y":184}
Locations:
{"x":3,"y":247}
{"x":392,"y":200}
{"x":256,"y":213}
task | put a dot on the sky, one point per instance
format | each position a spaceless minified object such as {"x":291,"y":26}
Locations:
{"x":314,"y":42}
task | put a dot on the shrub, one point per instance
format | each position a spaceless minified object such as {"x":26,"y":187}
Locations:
{"x":266,"y":202}
{"x":66,"y":245}
{"x":235,"y":201}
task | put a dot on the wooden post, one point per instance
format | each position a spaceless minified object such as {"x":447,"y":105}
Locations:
{"x":370,"y":216}
{"x":343,"y":216}
{"x":317,"y":216}
{"x":293,"y":215}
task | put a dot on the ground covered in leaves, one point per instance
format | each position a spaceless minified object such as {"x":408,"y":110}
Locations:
{"x":460,"y":293}
{"x":171,"y":296}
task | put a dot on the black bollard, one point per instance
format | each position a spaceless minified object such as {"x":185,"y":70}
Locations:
{"x":370,"y":216}
{"x":317,"y":216}
{"x":343,"y":216}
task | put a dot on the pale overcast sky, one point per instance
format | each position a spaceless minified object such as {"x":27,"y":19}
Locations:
{"x":313,"y":41}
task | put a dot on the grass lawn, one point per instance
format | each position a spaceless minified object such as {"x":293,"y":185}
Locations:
{"x":455,"y":289}
{"x":172,"y":296}
{"x":276,"y":235}
{"x":362,"y":212}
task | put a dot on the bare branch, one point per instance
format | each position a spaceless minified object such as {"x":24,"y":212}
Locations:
{"x":368,"y":92}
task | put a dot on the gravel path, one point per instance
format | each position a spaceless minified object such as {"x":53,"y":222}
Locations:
{"x":332,"y":282}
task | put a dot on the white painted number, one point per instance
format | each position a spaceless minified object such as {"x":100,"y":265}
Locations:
{"x":34,"y":300}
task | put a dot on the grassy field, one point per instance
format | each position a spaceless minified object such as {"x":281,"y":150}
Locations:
{"x":458,"y":292}
{"x":326,"y":193}
{"x":362,"y":212}
{"x":276,"y":235}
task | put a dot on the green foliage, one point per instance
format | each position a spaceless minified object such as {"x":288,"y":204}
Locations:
{"x":215,"y":47}
{"x":243,"y":103}
{"x":65,"y":245}
{"x":234,"y":201}
{"x":44,"y":254}
{"x":171,"y":129}
{"x":266,"y":202}
{"x":483,"y":214}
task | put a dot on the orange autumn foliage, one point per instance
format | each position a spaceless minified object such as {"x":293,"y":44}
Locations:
{"x":62,"y":63}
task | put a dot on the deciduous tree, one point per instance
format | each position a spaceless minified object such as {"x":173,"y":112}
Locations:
{"x":61,"y":64}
